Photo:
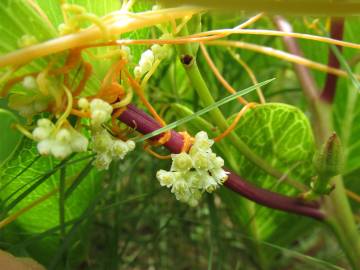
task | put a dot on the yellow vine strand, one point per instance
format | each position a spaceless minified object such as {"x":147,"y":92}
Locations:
{"x":250,"y":73}
{"x":281,"y":55}
{"x":218,"y":75}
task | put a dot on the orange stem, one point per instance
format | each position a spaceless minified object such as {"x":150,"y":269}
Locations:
{"x":218,"y":75}
{"x":234,"y":123}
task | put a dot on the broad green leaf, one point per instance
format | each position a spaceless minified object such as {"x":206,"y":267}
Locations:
{"x":9,"y":137}
{"x":17,"y":177}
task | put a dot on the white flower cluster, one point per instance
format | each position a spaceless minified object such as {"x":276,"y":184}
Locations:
{"x":59,"y":143}
{"x":109,"y":148}
{"x":148,"y":58}
{"x":30,"y":102}
{"x":104,"y":145}
{"x":99,"y":109}
{"x":192,"y":174}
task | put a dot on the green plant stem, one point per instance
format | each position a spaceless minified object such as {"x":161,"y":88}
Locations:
{"x":203,"y":91}
{"x":340,"y":217}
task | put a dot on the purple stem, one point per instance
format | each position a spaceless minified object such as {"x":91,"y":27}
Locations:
{"x":144,"y":124}
{"x":336,"y":32}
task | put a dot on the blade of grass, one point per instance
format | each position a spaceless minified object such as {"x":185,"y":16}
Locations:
{"x":84,"y":172}
{"x":203,"y":111}
{"x":62,"y":186}
{"x":36,"y":184}
{"x":52,"y":171}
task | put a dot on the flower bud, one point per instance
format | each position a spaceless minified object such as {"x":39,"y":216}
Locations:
{"x":29,"y":82}
{"x":41,"y":133}
{"x":63,"y":136}
{"x":201,"y":161}
{"x":60,"y":150}
{"x":119,"y":149}
{"x":329,"y":160}
{"x":83,"y":104}
{"x":44,"y":147}
{"x":131,"y":145}
{"x":165,"y":178}
{"x":181,"y":162}
{"x":102,"y":161}
{"x":79,"y":142}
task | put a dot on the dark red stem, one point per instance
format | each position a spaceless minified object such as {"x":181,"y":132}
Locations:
{"x":144,"y":124}
{"x":336,"y":32}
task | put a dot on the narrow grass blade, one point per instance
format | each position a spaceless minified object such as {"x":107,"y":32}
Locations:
{"x":84,"y":172}
{"x":203,"y":111}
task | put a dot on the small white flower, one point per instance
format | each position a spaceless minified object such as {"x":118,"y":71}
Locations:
{"x":181,"y":189}
{"x":44,"y":122}
{"x":201,"y":161}
{"x":165,"y":178}
{"x":219,"y":175}
{"x":102,"y":141}
{"x":60,"y":150}
{"x":63,"y":136}
{"x":29,"y":82}
{"x":160,"y":52}
{"x":100,"y":112}
{"x":84,"y":104}
{"x":79,"y":142}
{"x":127,"y":53}
{"x":181,"y":162}
{"x":102,"y":161}
{"x":209,"y":183}
{"x":131,"y":145}
{"x":119,"y":149}
{"x":44,"y":147}
{"x":105,"y":144}
{"x":41,"y":133}
{"x":202,"y":142}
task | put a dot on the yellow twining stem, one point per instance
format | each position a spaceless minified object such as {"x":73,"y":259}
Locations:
{"x":138,"y":90}
{"x":218,"y":75}
{"x":234,"y":123}
{"x":91,"y":34}
{"x":251,"y":75}
{"x":281,"y":55}
{"x":353,"y":195}
{"x":188,"y":141}
{"x":328,"y":40}
{"x":150,"y":73}
{"x":150,"y":151}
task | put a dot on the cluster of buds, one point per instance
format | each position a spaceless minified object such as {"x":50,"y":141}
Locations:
{"x":58,"y":142}
{"x":195,"y":172}
{"x":31,"y":101}
{"x":109,"y":148}
{"x":104,"y":144}
{"x":99,"y":109}
{"x":147,"y":59}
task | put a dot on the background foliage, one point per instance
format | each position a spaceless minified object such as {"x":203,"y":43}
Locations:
{"x":123,"y":219}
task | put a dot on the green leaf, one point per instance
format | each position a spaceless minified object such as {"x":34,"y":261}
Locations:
{"x":17,"y":177}
{"x":282,"y":136}
{"x":9,"y":137}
